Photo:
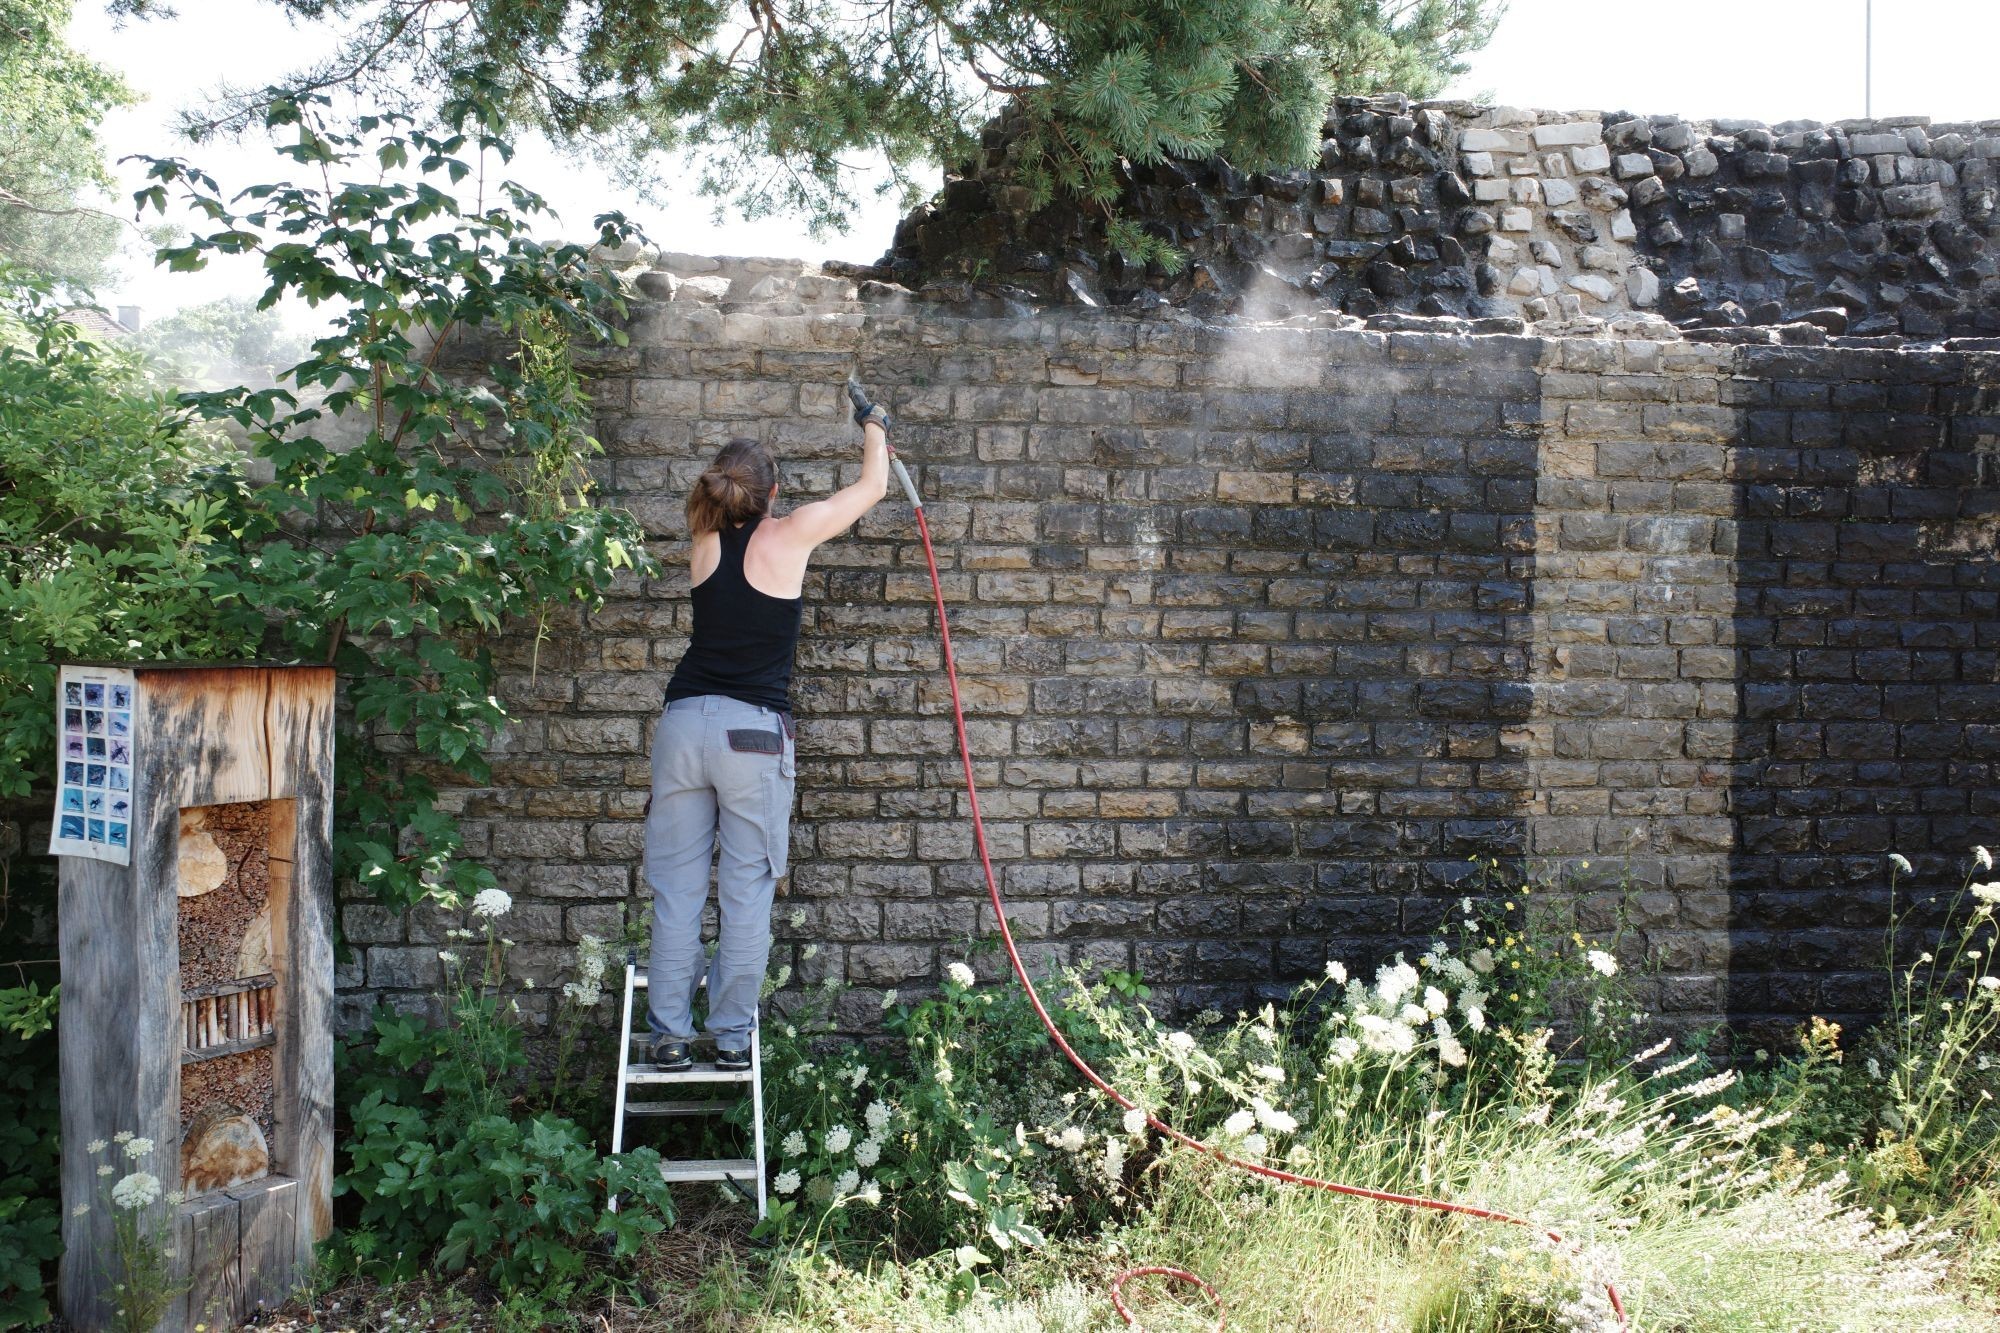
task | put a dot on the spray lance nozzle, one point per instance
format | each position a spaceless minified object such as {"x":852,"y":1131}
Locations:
{"x":865,"y":412}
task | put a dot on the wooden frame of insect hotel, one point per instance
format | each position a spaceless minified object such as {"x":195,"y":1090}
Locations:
{"x":194,"y":823}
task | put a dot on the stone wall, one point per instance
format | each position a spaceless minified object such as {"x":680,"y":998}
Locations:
{"x":1266,"y":629}
{"x":1875,"y":228}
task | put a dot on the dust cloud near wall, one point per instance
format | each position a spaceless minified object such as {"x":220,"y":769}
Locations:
{"x":1266,"y":629}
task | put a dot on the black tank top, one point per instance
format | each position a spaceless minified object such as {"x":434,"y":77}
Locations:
{"x":744,"y":640}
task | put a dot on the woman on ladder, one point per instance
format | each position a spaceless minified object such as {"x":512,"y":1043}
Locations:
{"x":724,"y":758}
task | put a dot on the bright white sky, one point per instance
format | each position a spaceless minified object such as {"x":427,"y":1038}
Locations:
{"x":1769,"y":59}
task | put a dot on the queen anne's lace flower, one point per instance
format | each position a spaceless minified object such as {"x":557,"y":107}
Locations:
{"x":794,"y":1144}
{"x":867,"y":1152}
{"x":490,"y":903}
{"x":1273,"y":1119}
{"x":1450,"y":1051}
{"x":1436,"y":1002}
{"x":1336,"y":972}
{"x":847,"y":1182}
{"x":136,"y":1191}
{"x":837,"y":1140}
{"x":1071,"y":1139}
{"x":1601,"y":962}
{"x":1988,"y":893}
{"x":877,"y":1116}
{"x":1239,"y":1124}
{"x":135,"y":1148}
{"x":1982,"y":858}
{"x":1344,"y":1049}
{"x":1901,"y":862}
{"x":1135,"y":1120}
{"x":961,"y":974}
{"x":786,"y":1183}
{"x":1180,"y":1041}
{"x":1394,"y":981}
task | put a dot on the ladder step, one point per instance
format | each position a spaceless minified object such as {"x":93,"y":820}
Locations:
{"x":703,"y":1072}
{"x":681,"y":1107}
{"x":727,"y":1168}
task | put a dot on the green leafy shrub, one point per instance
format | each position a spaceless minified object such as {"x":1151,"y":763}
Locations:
{"x":449,"y":1159}
{"x":415,"y":511}
{"x":30,"y":1188}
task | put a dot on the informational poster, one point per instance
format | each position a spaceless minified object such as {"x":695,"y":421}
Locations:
{"x":94,"y":742}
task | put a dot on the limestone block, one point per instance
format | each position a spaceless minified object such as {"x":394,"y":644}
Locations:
{"x":1558,"y":193}
{"x":706,"y":289}
{"x":1546,"y":252}
{"x":1867,"y":145}
{"x":1729,"y":226}
{"x":1555,"y":164}
{"x":1526,"y":281}
{"x":1520,"y":219}
{"x":1481,"y":141}
{"x":1700,"y":161}
{"x":1593,"y":157}
{"x":1513,"y":115}
{"x":1905,"y":201}
{"x":1528,"y":191}
{"x":1491,"y":191}
{"x":1602,"y":258}
{"x":1523,"y":166}
{"x":1546,"y":276}
{"x":1595,"y":285}
{"x":1642,"y":285}
{"x":1570,"y":132}
{"x":1987,"y":147}
{"x":1621,"y":226}
{"x":1631,"y":166}
{"x":1569,"y":307}
{"x":1502,"y":250}
{"x":1478,"y":164}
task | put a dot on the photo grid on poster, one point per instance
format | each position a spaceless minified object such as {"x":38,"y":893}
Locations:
{"x":94,"y":784}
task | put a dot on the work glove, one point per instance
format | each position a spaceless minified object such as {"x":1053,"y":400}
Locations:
{"x":865,"y":411}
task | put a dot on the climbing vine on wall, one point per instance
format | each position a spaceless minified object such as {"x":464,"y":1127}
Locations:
{"x":414,"y":512}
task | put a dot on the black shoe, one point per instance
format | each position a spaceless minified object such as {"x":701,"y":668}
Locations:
{"x":731,"y":1060}
{"x":670,"y":1056}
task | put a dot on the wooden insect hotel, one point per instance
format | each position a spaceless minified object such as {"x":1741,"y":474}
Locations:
{"x":194,"y":823}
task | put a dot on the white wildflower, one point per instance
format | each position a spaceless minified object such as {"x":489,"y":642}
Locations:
{"x":794,"y":1144}
{"x":961,"y":974}
{"x":1384,"y":1037}
{"x":1989,"y":982}
{"x":1601,"y":963}
{"x":1652,"y":1051}
{"x":136,"y":1191}
{"x":490,"y":903}
{"x":867,"y":1153}
{"x":1709,"y":1086}
{"x":1901,"y":862}
{"x":1414,"y":1014}
{"x":1336,"y":972}
{"x":1239,"y":1124}
{"x":1114,"y":1160}
{"x":847,"y":1182}
{"x":943,"y":1076}
{"x":1436,"y":1002}
{"x":1988,"y":893}
{"x":136,"y":1148}
{"x":1273,"y":1119}
{"x":1269,"y":1073}
{"x":837,"y":1140}
{"x":1135,"y":1120}
{"x":81,"y":1210}
{"x":1450,"y":1051}
{"x":797,"y":918}
{"x":870,"y":1193}
{"x":1395,"y":980}
{"x":877,"y":1116}
{"x":787,"y":1182}
{"x":889,"y":998}
{"x":1481,"y":960}
{"x":122,"y":1136}
{"x":1345,"y":1049}
{"x":98,"y":1145}
{"x":1180,"y":1041}
{"x":1256,"y":1145}
{"x":107,"y":1170}
{"x":857,"y":1075}
{"x":1982,"y":858}
{"x":447,"y":957}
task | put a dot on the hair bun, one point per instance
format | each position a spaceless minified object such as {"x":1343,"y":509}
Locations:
{"x":735,"y":488}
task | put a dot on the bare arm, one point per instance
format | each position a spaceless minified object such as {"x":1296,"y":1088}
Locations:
{"x":823,"y":520}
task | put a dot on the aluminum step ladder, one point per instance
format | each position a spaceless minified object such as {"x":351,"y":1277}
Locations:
{"x":633,"y":1072}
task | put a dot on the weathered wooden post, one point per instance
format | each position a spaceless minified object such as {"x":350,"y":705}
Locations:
{"x":194,"y":822}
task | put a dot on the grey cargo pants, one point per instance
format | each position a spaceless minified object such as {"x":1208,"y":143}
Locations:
{"x":723,"y":775}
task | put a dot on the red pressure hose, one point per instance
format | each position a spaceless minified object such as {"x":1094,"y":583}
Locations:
{"x":1091,"y":1075}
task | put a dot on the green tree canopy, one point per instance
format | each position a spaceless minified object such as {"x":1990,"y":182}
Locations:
{"x":52,"y":100}
{"x":781,"y":101}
